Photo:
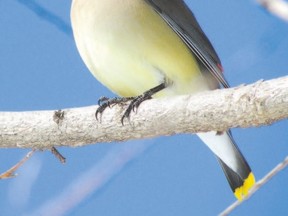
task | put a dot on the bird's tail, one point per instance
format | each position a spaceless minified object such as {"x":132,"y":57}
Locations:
{"x":234,"y":165}
{"x":239,"y":185}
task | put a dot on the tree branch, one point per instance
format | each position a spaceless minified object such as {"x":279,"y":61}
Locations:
{"x":257,"y":104}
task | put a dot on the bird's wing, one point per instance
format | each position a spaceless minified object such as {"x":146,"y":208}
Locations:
{"x":179,"y":17}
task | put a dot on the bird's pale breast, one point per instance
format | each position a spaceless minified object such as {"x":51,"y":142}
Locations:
{"x":132,"y":49}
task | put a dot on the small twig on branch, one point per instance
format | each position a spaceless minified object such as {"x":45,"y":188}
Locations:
{"x":257,"y":186}
{"x":261,"y":103}
{"x":276,"y":7}
{"x":58,"y":155}
{"x":11,"y":172}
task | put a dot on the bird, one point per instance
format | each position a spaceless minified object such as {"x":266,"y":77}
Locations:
{"x":143,"y":49}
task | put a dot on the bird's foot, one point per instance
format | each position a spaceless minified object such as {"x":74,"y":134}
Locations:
{"x":136,"y":101}
{"x":133,"y":106}
{"x":105,"y":102}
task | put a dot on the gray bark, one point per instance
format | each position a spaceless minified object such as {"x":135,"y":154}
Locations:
{"x":261,"y":103}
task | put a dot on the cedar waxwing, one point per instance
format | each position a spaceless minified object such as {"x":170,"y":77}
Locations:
{"x":155,"y":48}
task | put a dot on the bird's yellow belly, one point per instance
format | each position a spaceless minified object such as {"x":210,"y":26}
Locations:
{"x":137,"y":53}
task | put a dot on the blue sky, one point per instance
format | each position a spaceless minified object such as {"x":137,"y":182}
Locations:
{"x":41,"y":69}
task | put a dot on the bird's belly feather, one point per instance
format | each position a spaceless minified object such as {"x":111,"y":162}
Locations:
{"x":138,"y":53}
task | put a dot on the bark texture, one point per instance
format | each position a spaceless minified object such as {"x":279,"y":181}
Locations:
{"x":261,"y":103}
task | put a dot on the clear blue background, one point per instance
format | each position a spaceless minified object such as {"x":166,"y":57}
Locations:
{"x":41,"y":69}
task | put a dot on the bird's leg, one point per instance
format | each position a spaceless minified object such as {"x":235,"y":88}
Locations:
{"x":105,"y":102}
{"x":136,"y":101}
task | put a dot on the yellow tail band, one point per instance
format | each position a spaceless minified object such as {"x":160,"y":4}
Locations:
{"x":243,"y":191}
